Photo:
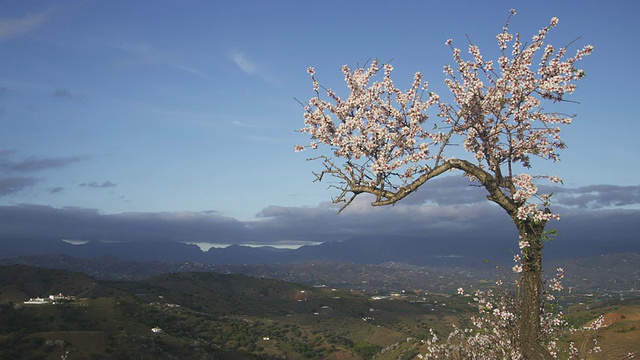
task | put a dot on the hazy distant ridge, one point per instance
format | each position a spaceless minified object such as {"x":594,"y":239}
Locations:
{"x":414,"y":251}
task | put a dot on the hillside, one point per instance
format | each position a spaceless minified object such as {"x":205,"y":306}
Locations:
{"x":203,"y":315}
{"x":20,"y":282}
{"x":233,"y":316}
{"x":619,"y":335}
{"x":612,"y":276}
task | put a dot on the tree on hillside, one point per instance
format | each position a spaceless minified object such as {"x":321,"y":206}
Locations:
{"x":385,"y":146}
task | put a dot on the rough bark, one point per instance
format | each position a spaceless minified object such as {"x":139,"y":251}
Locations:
{"x":531,"y":286}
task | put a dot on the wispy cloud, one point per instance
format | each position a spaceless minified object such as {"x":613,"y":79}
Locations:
{"x":62,"y":93}
{"x":93,"y":184}
{"x":13,"y":180}
{"x":36,"y":164}
{"x":250,"y":67}
{"x":12,"y":185}
{"x":271,"y":139}
{"x":242,"y":62}
{"x":11,"y":28}
{"x":145,"y":54}
{"x":243,"y":124}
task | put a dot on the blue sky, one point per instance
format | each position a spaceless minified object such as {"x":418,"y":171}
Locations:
{"x":183,"y":112}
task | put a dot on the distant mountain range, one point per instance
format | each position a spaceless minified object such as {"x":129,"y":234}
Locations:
{"x":613,"y":275}
{"x":359,"y":250}
{"x":358,"y":263}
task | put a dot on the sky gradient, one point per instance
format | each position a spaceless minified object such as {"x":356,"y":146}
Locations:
{"x":172,"y":120}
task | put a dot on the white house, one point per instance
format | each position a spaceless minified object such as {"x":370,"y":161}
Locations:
{"x":37,"y":301}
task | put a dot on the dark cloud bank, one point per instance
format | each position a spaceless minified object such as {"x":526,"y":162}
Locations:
{"x":18,"y":175}
{"x":595,"y":220}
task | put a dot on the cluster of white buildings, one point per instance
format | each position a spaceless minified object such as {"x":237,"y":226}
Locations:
{"x":52,"y":299}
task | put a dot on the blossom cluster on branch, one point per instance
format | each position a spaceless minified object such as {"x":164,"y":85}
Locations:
{"x":379,"y":123}
{"x":497,"y":114}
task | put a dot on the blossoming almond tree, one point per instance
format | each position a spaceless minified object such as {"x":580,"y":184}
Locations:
{"x":387,"y":148}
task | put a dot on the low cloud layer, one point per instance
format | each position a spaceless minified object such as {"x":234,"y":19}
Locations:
{"x":599,"y":196}
{"x":433,"y":215}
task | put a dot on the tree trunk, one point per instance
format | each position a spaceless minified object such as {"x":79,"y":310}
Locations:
{"x":531,"y":286}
